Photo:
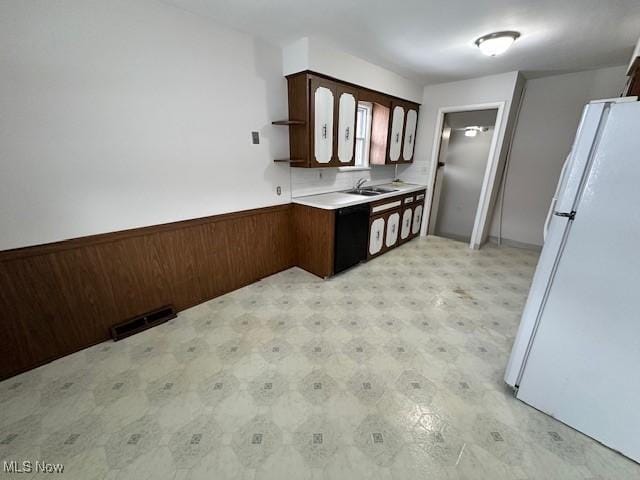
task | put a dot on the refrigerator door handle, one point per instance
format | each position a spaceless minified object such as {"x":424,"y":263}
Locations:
{"x":547,"y":220}
{"x":570,"y":215}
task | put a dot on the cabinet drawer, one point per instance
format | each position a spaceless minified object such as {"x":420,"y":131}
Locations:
{"x":388,"y":204}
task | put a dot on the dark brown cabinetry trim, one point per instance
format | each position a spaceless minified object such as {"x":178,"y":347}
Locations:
{"x":405,"y":202}
{"x":299,"y":133}
{"x":314,"y":232}
{"x":369,"y":93}
{"x":385,"y":217}
{"x":314,"y":84}
{"x":301,"y":91}
{"x":408,"y":203}
{"x":288,"y":122}
{"x":407,"y":106}
{"x":632,"y":87}
{"x":340,"y":89}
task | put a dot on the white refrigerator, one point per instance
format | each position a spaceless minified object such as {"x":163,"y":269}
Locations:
{"x":576,"y":355}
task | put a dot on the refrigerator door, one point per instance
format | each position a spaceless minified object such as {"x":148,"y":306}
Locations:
{"x":568,"y":188}
{"x":552,"y":207}
{"x":586,"y":141}
{"x":583,"y":367}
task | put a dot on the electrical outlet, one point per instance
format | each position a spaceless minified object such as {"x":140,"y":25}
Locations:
{"x":279,"y":190}
{"x":255,"y":138}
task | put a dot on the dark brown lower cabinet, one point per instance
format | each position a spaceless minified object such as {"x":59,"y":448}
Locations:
{"x":314,"y":233}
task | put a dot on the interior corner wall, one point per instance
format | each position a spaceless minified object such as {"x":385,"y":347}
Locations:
{"x":490,"y":89}
{"x":321,"y":57}
{"x":545,"y":130}
{"x":511,"y":119}
{"x":119,"y":114}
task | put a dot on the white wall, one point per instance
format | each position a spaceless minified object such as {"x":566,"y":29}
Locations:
{"x":492,"y":89}
{"x":546,"y":128}
{"x":123,"y":114}
{"x":465,"y":164}
{"x":311,"y":181}
{"x":321,"y":57}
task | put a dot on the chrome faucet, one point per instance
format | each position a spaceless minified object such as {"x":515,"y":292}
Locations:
{"x":360,"y":183}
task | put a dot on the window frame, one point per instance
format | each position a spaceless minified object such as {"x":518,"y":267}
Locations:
{"x":364,"y":165}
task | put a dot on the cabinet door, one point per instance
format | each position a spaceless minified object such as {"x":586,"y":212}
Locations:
{"x":395,"y":137}
{"x":409,"y":135}
{"x":376,"y":233}
{"x":407,"y":217}
{"x":323,"y":101}
{"x":417,"y":220}
{"x":393,"y":225}
{"x":347,"y":102}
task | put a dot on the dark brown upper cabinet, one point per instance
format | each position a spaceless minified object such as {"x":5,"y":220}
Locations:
{"x":632,"y":88}
{"x":322,"y":123}
{"x":402,"y":132}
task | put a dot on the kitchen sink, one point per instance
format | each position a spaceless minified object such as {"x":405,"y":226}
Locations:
{"x":364,"y":191}
{"x":382,"y":189}
{"x":371,"y":191}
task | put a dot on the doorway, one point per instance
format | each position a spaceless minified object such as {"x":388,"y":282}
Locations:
{"x":465,"y":163}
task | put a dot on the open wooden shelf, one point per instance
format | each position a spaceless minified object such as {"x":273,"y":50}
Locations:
{"x":288,"y":122}
{"x":289,"y":160}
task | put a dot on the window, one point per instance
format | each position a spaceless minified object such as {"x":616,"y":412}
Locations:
{"x":363,"y":134}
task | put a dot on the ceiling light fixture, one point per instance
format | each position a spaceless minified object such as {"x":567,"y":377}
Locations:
{"x":473,"y":130}
{"x":496,"y":43}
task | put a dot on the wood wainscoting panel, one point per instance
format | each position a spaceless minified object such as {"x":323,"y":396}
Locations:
{"x":314,"y":237}
{"x":62,"y":297}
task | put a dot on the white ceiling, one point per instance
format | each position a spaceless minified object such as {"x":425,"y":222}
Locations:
{"x":432,"y":42}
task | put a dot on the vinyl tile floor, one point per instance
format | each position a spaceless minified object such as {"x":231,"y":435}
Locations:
{"x":392,"y":370}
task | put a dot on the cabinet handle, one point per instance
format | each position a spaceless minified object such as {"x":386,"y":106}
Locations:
{"x":397,"y":137}
{"x":346,"y":134}
{"x":410,"y":138}
{"x":393,"y":228}
{"x":324,"y":131}
{"x":378,"y":235}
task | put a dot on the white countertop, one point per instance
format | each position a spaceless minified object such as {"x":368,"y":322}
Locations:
{"x":335,"y":200}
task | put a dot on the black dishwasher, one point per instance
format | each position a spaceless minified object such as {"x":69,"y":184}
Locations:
{"x":352,"y":229}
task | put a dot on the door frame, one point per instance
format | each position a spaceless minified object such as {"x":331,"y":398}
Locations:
{"x":490,"y":173}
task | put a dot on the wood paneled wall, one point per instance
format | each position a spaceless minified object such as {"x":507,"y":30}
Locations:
{"x":58,"y":298}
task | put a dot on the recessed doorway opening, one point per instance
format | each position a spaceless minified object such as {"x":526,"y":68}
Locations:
{"x":463,"y":172}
